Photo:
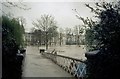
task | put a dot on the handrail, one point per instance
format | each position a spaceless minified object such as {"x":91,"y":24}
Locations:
{"x":68,"y":57}
{"x":75,"y":67}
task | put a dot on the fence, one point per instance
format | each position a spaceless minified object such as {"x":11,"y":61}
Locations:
{"x":75,"y":67}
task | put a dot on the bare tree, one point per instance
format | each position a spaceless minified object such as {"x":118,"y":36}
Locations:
{"x":61,"y":32}
{"x":22,"y":20}
{"x":10,"y":5}
{"x":45,"y":23}
{"x":78,"y":30}
{"x":68,"y":35}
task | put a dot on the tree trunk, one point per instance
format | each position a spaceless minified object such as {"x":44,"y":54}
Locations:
{"x":60,"y":39}
{"x":46,"y":41}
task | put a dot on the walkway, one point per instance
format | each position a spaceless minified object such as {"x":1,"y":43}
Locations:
{"x":37,"y":66}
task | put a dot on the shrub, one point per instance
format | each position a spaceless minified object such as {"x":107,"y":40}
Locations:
{"x":11,"y":40}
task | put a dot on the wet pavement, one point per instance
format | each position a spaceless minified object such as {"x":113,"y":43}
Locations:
{"x":35,"y":65}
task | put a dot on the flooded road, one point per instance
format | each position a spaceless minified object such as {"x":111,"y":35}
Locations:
{"x":73,"y":51}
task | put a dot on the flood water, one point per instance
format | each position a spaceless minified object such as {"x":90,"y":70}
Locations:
{"x":73,"y":51}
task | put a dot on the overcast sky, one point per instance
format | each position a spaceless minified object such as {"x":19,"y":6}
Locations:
{"x":61,"y":11}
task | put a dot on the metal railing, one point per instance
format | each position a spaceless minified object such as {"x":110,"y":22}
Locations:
{"x":75,"y":67}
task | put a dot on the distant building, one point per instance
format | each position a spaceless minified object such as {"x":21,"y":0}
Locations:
{"x":72,"y":39}
{"x":29,"y":38}
{"x":34,"y":38}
